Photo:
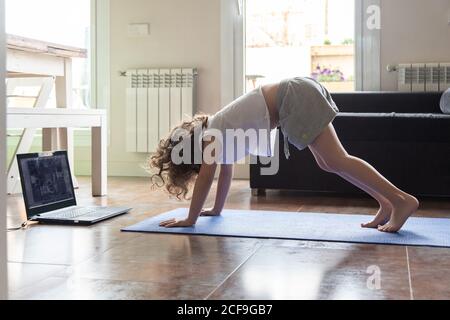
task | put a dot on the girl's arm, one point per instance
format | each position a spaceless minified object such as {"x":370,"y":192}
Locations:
{"x":201,"y":190}
{"x":223,"y":187}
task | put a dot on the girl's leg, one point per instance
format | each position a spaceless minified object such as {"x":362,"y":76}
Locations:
{"x":383,"y":215}
{"x":333,"y":154}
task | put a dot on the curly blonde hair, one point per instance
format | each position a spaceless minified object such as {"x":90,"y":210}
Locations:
{"x":176,"y":178}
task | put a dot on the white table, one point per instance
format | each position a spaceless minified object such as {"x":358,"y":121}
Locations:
{"x":30,"y":58}
{"x":71,"y":118}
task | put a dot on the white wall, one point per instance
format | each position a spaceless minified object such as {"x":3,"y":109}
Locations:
{"x":413,"y":31}
{"x":3,"y":266}
{"x":183,"y":34}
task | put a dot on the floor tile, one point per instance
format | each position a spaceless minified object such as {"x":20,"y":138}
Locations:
{"x":96,"y":289}
{"x":306,"y":273}
{"x":168,"y":259}
{"x":62,"y":245}
{"x":430,"y":276}
{"x":23,"y":275}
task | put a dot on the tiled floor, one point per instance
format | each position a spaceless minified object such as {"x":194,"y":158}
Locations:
{"x":100,"y":262}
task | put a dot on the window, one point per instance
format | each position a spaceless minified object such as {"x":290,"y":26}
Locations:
{"x":289,"y":38}
{"x":65,"y":22}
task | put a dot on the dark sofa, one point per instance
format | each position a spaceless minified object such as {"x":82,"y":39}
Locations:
{"x":404,"y":136}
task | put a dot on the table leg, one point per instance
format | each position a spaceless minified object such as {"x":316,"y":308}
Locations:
{"x":49,"y":139}
{"x":99,"y":160}
{"x":67,"y":143}
{"x":28,"y":134}
{"x":64,"y":99}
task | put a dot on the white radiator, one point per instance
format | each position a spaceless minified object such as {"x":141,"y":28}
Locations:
{"x":423,"y":77}
{"x":157,"y":100}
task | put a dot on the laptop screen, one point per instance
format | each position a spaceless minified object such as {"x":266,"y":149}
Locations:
{"x":46,"y":181}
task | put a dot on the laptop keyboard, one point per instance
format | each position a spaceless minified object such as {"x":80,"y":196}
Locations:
{"x":78,"y":212}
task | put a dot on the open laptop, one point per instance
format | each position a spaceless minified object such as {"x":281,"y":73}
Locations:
{"x":49,"y":195}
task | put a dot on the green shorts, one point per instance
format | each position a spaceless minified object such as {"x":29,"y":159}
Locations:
{"x":306,"y":109}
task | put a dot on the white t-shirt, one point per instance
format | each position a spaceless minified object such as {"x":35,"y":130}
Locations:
{"x":243,"y":127}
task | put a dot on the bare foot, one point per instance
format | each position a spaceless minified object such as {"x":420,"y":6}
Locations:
{"x":402,"y":211}
{"x":381,"y":218}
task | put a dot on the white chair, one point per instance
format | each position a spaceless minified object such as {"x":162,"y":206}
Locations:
{"x":21,"y":92}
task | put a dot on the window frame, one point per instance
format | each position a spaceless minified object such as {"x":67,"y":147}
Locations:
{"x":100,"y":54}
{"x":367,"y":49}
{"x":232,"y":49}
{"x":100,"y":60}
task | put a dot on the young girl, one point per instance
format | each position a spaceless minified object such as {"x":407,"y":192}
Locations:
{"x":304,"y":110}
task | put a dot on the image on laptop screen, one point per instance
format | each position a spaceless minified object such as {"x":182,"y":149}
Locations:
{"x":47,"y":180}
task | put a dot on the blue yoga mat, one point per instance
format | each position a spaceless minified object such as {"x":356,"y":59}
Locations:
{"x":431,"y":232}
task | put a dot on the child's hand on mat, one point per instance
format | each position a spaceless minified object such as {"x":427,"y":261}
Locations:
{"x":209,"y":213}
{"x":174,"y":223}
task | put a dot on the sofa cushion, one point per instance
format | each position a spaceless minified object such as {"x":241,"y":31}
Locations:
{"x":393,"y":127}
